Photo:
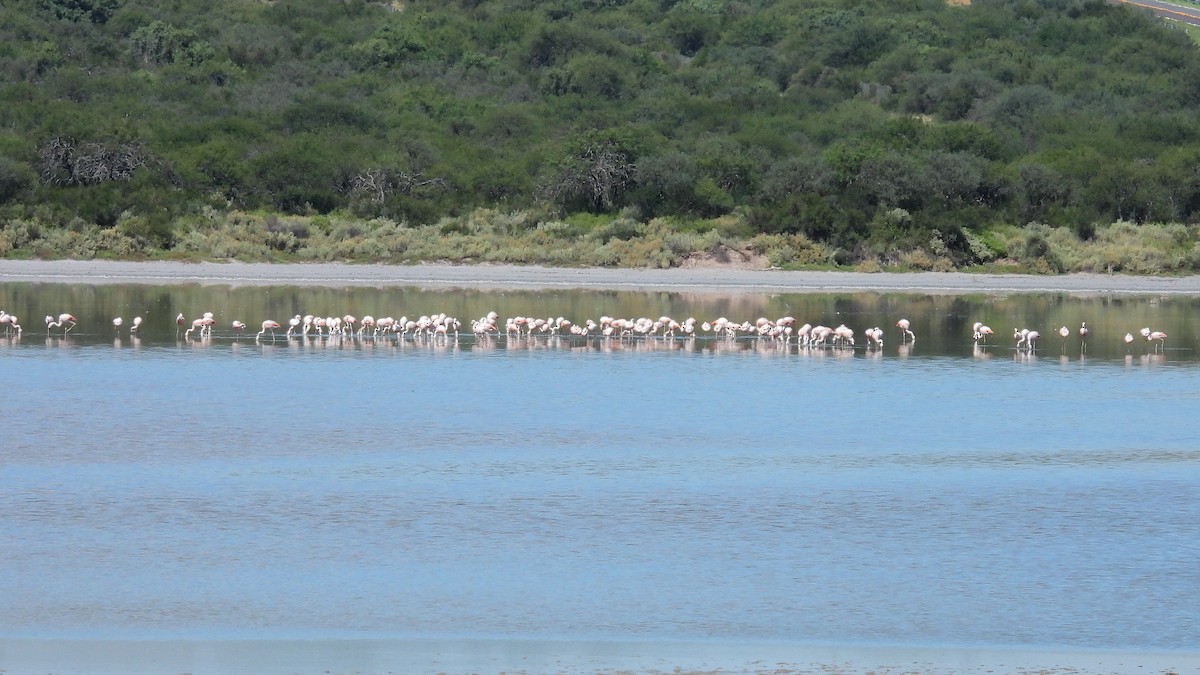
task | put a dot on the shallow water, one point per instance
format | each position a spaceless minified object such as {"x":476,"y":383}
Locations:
{"x":592,"y":490}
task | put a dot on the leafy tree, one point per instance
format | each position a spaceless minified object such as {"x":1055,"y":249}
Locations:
{"x":1019,"y":110}
{"x":951,"y":179}
{"x":596,"y":174}
{"x":690,"y":32}
{"x":160,"y":43}
{"x":891,"y":180}
{"x":597,"y":75}
{"x":1040,"y":188}
{"x":392,"y":45}
{"x":15,"y":177}
{"x":95,"y":11}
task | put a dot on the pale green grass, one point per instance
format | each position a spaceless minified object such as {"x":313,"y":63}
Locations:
{"x":488,"y":236}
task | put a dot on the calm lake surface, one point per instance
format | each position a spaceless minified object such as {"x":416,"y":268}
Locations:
{"x":569,"y":489}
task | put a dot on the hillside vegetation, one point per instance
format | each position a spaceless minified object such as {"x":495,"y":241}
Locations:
{"x":1040,"y":135}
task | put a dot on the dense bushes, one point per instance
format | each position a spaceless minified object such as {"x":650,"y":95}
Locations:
{"x":908,"y":134}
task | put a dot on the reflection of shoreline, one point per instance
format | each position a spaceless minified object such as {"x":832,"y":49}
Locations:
{"x":701,"y":281}
{"x":135,"y":657}
{"x":942,"y":322}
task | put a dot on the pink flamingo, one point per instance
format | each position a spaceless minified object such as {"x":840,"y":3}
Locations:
{"x":905,"y":330}
{"x":981,"y":332}
{"x":1159,"y":337}
{"x":1083,"y":334}
{"x":238,"y":327}
{"x":62,"y":318}
{"x":201,"y":324}
{"x":9,"y":321}
{"x":117,"y":325}
{"x":367,"y":321}
{"x":268,"y":325}
{"x":137,"y":324}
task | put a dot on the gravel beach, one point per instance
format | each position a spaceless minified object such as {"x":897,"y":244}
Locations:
{"x":716,"y":280}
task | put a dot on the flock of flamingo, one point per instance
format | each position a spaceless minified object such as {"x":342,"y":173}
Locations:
{"x":441,"y":326}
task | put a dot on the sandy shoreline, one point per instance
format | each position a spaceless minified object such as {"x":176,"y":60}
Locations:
{"x":535,"y":278}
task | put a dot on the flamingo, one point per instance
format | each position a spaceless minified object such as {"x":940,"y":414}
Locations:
{"x":179,"y":321}
{"x":201,"y":324}
{"x":270,"y":326}
{"x":1128,"y":340}
{"x":1083,"y":333}
{"x":293,"y":324}
{"x":1065,"y":333}
{"x":9,"y":321}
{"x":62,"y":318}
{"x":1159,"y":337}
{"x":117,"y":325}
{"x":804,"y":334}
{"x":688,"y":327}
{"x":238,"y":327}
{"x":1031,"y":339}
{"x":137,"y":323}
{"x":367,"y":321}
{"x":982,"y":332}
{"x":843,"y":336}
{"x":905,"y":331}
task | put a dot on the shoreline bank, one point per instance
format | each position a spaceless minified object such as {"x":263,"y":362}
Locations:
{"x":716,"y":280}
{"x":416,"y":655}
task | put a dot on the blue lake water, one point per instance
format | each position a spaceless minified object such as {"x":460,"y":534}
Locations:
{"x":567,"y":489}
